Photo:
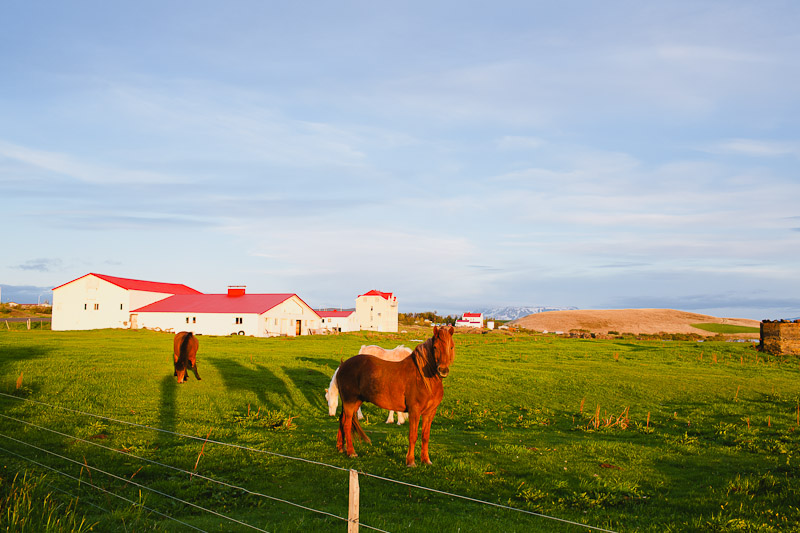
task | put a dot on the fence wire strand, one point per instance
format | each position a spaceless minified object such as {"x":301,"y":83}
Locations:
{"x":318,"y":463}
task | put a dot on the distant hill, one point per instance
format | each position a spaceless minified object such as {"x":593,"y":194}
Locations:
{"x":513,"y":313}
{"x":647,"y":321}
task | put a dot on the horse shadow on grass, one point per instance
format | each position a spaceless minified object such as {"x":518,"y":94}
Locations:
{"x":168,"y":414}
{"x":271,"y":391}
{"x":311,"y":384}
{"x":11,"y":356}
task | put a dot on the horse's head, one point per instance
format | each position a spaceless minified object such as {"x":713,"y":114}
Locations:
{"x":443,"y":349}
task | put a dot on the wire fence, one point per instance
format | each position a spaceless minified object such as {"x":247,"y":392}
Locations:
{"x":349,"y":520}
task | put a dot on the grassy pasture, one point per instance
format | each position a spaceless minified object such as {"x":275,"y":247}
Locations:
{"x":724,"y":329}
{"x":619,"y":434}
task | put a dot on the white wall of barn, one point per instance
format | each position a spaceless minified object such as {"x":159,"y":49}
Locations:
{"x":200,"y":323}
{"x":92,"y":303}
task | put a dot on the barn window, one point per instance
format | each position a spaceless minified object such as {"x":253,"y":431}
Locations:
{"x":120,"y":307}
{"x":238,"y":320}
{"x":96,"y":307}
{"x":85,"y":307}
{"x":187,"y":319}
{"x":194,"y":320}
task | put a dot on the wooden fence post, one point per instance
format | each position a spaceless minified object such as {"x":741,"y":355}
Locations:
{"x":352,"y":514}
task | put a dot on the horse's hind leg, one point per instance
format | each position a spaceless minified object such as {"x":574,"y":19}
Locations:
{"x":390,"y":420}
{"x":346,"y":429}
{"x":194,"y":369}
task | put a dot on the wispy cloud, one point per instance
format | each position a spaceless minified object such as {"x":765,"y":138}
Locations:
{"x":756,"y":148}
{"x":67,"y":165}
{"x":40,"y":265}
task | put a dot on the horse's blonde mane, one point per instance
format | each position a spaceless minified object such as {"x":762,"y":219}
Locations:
{"x":423,"y":361}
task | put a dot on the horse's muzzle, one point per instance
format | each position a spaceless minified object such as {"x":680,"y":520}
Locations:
{"x":443,"y":371}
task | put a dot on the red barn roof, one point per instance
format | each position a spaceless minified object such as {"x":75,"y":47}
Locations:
{"x":334,"y":314}
{"x":216,"y":303}
{"x":384,"y":295}
{"x":139,"y":285}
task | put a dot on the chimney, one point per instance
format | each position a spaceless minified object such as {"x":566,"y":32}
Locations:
{"x":236,"y":290}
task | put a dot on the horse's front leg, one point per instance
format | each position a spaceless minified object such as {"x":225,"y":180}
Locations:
{"x":340,"y":433}
{"x":390,"y":420}
{"x":427,"y":420}
{"x":413,"y":425}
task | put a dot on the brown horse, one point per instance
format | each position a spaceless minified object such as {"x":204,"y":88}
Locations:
{"x":185,"y":354}
{"x":413,"y":385}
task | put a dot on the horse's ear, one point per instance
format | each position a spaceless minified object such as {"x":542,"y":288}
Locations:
{"x":435,"y":330}
{"x":452,"y":329}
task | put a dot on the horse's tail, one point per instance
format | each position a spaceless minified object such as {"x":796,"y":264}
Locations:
{"x":183,"y":353}
{"x":360,"y":432}
{"x":332,"y":395}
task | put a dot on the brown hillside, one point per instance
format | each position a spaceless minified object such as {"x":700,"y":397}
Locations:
{"x":648,"y":321}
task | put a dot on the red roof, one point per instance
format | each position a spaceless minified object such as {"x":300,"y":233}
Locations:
{"x":334,"y":314}
{"x":216,"y":303}
{"x":139,"y":285}
{"x":475,"y":315}
{"x":385,"y":295}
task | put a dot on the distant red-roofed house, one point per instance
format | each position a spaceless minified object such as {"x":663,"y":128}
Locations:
{"x":377,"y":311}
{"x":234,"y":313}
{"x":470,"y":320}
{"x":97,"y":301}
{"x":339,"y":321}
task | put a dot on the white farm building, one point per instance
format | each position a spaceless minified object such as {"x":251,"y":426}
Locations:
{"x":234,"y":313}
{"x":470,"y":320}
{"x":97,"y":301}
{"x":377,"y":311}
{"x":338,"y":321}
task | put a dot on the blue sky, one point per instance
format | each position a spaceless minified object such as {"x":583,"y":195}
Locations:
{"x":459,"y":154}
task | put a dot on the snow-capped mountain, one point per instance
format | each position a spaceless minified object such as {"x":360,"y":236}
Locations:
{"x":513,"y":313}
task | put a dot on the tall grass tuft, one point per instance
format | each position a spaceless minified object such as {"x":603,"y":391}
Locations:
{"x":28,"y":506}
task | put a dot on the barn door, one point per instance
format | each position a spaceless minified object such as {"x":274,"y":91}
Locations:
{"x":134,"y":321}
{"x":298,"y":327}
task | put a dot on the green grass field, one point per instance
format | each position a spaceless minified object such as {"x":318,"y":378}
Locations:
{"x":618,"y":434}
{"x":726,"y":328}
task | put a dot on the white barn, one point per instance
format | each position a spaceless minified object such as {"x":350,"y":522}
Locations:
{"x":234,"y":313}
{"x":97,"y":301}
{"x":377,"y":311}
{"x":338,"y":321}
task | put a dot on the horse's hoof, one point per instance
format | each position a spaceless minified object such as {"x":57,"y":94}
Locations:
{"x":351,"y":455}
{"x":411,"y":465}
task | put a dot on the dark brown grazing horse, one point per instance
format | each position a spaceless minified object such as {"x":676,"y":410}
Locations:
{"x":413,"y":385}
{"x":185,"y":351}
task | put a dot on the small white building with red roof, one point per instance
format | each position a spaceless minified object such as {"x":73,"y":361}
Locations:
{"x":98,"y":301}
{"x":338,"y":320}
{"x":377,"y":311}
{"x":470,"y":320}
